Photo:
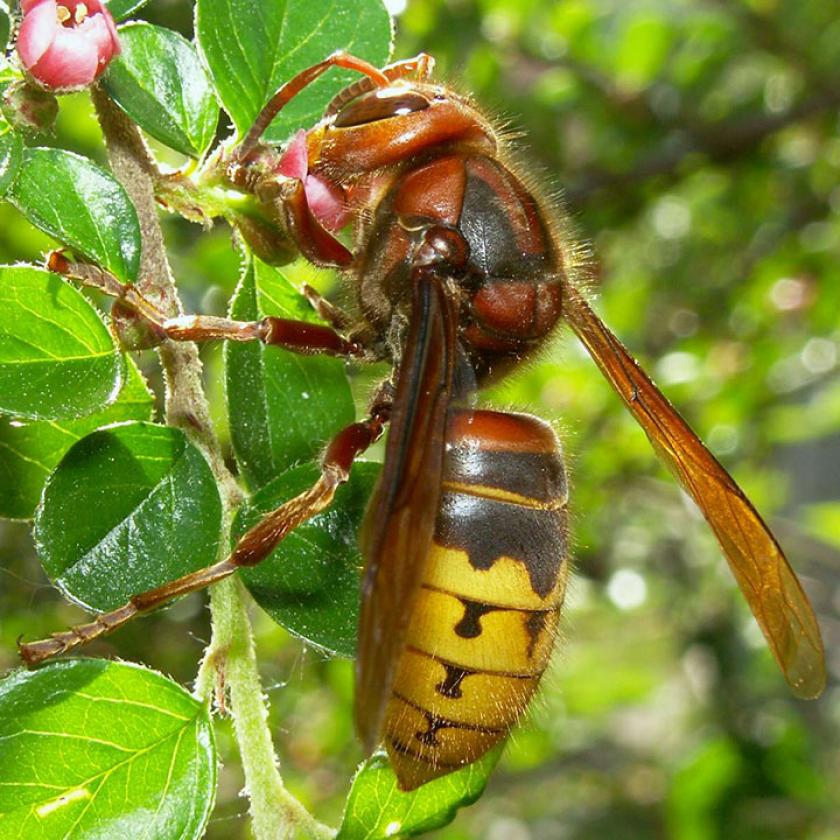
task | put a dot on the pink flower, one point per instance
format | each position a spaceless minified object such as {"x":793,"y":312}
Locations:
{"x":324,"y":199}
{"x":65,"y":46}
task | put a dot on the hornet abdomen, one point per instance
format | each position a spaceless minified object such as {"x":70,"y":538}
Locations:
{"x":485,"y":619}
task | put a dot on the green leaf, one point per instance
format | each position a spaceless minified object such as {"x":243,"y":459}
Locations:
{"x":377,"y":808}
{"x":644,"y":49}
{"x":310,"y":583}
{"x":81,"y":205}
{"x":252,"y":48}
{"x":5,"y":25}
{"x":282,"y":406}
{"x":96,"y":749}
{"x":822,"y":520}
{"x":11,"y":154}
{"x":30,"y":451}
{"x":160,"y":83}
{"x":129,"y":508}
{"x":57,"y":359}
{"x":121,"y":9}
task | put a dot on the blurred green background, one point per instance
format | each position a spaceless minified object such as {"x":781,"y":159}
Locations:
{"x":696,"y":143}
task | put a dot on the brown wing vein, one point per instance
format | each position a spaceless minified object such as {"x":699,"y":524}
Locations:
{"x":764,"y":575}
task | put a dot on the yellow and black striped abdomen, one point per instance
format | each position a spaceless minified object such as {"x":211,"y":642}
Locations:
{"x":484,"y":622}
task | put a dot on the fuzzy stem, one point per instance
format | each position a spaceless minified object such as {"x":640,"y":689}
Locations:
{"x":230,"y":657}
{"x":276,"y":813}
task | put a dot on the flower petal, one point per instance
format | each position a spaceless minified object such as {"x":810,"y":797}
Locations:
{"x":37,"y":31}
{"x":326,"y":203}
{"x":27,"y":5}
{"x":66,"y":57}
{"x":96,"y":31}
{"x":94,"y":7}
{"x":72,"y":61}
{"x":116,"y":49}
{"x":294,"y":161}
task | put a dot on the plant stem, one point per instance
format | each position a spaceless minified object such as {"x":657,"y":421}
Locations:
{"x":230,"y":657}
{"x":186,"y":403}
{"x":276,"y":813}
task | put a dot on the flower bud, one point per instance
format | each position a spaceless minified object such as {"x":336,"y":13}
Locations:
{"x":66,"y":45}
{"x":29,"y":108}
